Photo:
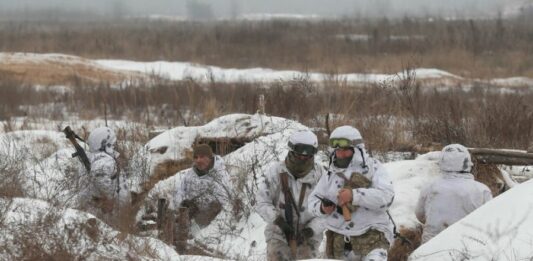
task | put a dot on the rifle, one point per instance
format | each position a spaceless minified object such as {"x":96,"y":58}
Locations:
{"x":289,"y":217}
{"x":80,"y":153}
{"x":326,"y":202}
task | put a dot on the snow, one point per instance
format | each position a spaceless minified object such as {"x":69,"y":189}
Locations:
{"x":498,"y":230}
{"x":69,"y":232}
{"x":176,"y":70}
{"x":409,"y":177}
{"x":240,"y":236}
{"x":512,"y":81}
{"x":180,"y":140}
{"x":278,"y":16}
{"x":204,"y":73}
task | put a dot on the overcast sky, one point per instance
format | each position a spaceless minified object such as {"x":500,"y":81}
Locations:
{"x":224,"y":8}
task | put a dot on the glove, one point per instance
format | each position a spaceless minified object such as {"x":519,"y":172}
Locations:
{"x":282,"y":224}
{"x":305,"y":234}
{"x":191,"y":205}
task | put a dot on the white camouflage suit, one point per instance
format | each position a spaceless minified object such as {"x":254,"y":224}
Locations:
{"x":271,"y":199}
{"x":451,"y":197}
{"x":208,"y":191}
{"x":372,"y":202}
{"x":102,"y":194}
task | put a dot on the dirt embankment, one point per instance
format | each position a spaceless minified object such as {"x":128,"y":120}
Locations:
{"x":57,"y":69}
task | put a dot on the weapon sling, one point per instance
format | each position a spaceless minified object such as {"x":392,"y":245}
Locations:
{"x":291,"y":239}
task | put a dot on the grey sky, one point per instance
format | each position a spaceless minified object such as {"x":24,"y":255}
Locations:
{"x":224,"y":8}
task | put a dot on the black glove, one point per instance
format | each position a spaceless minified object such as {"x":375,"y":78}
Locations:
{"x":191,"y":205}
{"x":286,"y":228}
{"x":305,"y":234}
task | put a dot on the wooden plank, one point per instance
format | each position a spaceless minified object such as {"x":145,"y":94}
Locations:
{"x":501,"y":156}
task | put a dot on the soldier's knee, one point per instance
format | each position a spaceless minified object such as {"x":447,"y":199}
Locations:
{"x":378,"y":254}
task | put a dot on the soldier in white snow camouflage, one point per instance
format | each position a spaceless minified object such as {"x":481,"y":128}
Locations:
{"x":205,"y":189}
{"x":292,"y":232}
{"x":105,"y":191}
{"x":453,"y":196}
{"x":359,"y":227}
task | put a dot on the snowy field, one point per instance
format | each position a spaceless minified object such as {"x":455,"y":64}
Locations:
{"x":36,"y":157}
{"x":131,"y":71}
{"x":267,"y":138}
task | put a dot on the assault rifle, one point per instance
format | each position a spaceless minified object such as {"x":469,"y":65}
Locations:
{"x":326,"y":202}
{"x":80,"y":153}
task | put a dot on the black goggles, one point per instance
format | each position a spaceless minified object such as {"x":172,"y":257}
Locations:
{"x":303,"y":149}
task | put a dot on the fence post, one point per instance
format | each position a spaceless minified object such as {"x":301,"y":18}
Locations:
{"x":181,"y":230}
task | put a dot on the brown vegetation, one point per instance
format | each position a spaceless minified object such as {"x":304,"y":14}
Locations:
{"x":472,"y":48}
{"x":65,"y":71}
{"x":401,"y":250}
{"x":388,"y":119}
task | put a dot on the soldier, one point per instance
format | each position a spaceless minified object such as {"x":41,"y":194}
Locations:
{"x":453,"y":196}
{"x":292,"y":232}
{"x":205,"y":188}
{"x":353,"y":198}
{"x":105,"y":191}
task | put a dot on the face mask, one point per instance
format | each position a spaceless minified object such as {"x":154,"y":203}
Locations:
{"x":298,"y":167}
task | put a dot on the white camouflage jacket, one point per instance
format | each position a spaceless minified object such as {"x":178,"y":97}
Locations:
{"x":373,"y":202}
{"x":271,"y":200}
{"x":449,"y":199}
{"x":103,"y":178}
{"x":213,"y":186}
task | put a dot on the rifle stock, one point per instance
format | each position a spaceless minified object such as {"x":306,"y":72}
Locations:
{"x":346,"y":213}
{"x":80,"y":153}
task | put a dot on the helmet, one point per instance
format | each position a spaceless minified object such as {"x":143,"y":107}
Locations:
{"x":102,"y":139}
{"x":303,"y":142}
{"x":345,"y":137}
{"x":456,"y":158}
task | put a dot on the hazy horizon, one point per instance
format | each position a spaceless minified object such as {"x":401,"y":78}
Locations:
{"x":233,"y":8}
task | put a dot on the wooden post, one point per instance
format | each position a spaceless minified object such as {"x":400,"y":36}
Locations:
{"x":261,"y":107}
{"x":181,"y":230}
{"x":165,"y":222}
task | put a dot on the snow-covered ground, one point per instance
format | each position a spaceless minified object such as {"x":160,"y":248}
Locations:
{"x":499,"y":230}
{"x":204,"y":73}
{"x":45,"y":177}
{"x":119,"y":71}
{"x":68,"y":234}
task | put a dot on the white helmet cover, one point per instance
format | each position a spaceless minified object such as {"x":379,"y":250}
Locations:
{"x":455,"y":158}
{"x":306,"y":138}
{"x":349,"y":133}
{"x":102,"y":139}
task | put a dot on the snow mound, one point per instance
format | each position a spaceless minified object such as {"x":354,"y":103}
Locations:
{"x":499,"y":230}
{"x":178,"y":141}
{"x":409,"y":177}
{"x":34,"y":230}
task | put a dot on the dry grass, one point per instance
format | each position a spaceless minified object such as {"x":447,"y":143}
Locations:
{"x":390,"y":118}
{"x":52,"y":73}
{"x":400,"y":251}
{"x":480,"y":48}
